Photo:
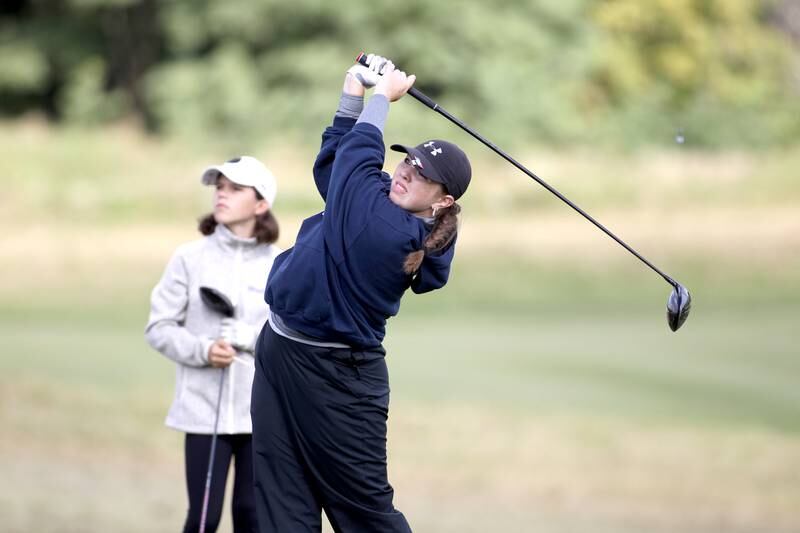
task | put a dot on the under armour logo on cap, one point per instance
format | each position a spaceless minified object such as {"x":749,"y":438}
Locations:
{"x":435,"y":149}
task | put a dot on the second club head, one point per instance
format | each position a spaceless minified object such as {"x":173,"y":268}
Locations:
{"x":217,"y":301}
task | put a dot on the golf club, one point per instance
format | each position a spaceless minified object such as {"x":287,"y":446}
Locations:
{"x":221,"y":304}
{"x":680,"y":301}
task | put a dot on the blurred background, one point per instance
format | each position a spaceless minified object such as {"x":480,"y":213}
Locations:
{"x":541,"y":390}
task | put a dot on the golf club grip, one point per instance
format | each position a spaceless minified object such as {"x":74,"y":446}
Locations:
{"x":416,"y":93}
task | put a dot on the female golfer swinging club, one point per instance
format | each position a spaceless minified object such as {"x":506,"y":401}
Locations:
{"x":214,"y":367}
{"x":321,"y":391}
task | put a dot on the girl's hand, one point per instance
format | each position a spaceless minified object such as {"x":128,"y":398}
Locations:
{"x":220,"y":354}
{"x":394,"y":83}
{"x":239,"y":334}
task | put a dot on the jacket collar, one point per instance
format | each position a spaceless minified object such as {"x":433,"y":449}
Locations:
{"x":227,"y":239}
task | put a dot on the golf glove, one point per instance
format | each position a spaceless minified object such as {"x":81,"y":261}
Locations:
{"x":368,"y":76}
{"x":239,"y":334}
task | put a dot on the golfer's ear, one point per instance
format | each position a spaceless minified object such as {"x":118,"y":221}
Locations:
{"x":445,"y":201}
{"x":262,"y":206}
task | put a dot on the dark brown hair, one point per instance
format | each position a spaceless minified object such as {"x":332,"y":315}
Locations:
{"x":265,"y":232}
{"x":445,"y":228}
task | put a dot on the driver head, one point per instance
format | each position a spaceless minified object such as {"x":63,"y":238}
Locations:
{"x":678,"y":307}
{"x":217,"y":301}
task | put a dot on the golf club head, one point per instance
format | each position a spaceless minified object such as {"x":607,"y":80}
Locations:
{"x":678,"y":307}
{"x":217,"y":301}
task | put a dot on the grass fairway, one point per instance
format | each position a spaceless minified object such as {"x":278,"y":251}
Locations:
{"x":551,"y":420}
{"x":540,"y":391}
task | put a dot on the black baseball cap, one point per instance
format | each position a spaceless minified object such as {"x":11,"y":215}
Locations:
{"x":442,"y":162}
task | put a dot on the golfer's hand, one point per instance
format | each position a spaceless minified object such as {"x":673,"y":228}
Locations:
{"x":220,"y":354}
{"x":360,"y":77}
{"x":394,"y":83}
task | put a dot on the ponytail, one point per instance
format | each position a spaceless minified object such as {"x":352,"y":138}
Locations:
{"x":445,"y":228}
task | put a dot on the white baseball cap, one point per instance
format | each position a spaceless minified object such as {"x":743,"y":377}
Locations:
{"x":247,"y":171}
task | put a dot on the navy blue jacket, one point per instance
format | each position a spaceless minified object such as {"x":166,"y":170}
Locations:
{"x":344,"y":276}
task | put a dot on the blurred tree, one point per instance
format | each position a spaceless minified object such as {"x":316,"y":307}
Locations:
{"x":701,"y":62}
{"x":50,"y":49}
{"x":613,"y":71}
{"x":509,"y":62}
{"x":785,"y":14}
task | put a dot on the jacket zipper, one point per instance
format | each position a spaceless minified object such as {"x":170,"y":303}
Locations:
{"x":237,"y":276}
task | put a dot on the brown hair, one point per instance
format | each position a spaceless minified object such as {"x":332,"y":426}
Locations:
{"x":265,"y":232}
{"x":445,"y":228}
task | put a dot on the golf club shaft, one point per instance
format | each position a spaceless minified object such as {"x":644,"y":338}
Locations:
{"x":425,"y":99}
{"x":212,"y":453}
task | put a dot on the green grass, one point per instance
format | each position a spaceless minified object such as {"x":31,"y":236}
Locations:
{"x":628,"y":366}
{"x":483,"y":405}
{"x":567,"y":351}
{"x":119,"y":175}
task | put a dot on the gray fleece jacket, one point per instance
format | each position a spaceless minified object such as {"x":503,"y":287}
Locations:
{"x":182,"y":328}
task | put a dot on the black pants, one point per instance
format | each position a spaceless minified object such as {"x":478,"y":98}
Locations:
{"x":236,"y":447}
{"x":319,"y":439}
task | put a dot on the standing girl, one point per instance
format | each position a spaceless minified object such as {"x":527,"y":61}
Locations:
{"x":321,"y":390}
{"x":213,"y":355}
